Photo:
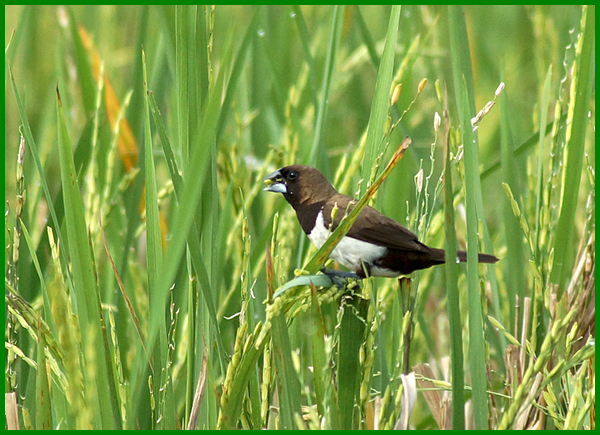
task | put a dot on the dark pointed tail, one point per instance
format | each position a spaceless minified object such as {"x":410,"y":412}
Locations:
{"x":439,"y":256}
{"x":482,"y":258}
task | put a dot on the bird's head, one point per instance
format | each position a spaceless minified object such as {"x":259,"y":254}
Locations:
{"x":300,"y":184}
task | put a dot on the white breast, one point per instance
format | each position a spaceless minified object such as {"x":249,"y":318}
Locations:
{"x":350,"y":252}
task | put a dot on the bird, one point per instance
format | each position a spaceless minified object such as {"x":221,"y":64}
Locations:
{"x":374,"y":246}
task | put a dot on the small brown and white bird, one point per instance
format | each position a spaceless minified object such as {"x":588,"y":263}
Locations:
{"x":375,"y":244}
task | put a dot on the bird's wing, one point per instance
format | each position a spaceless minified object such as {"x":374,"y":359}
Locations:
{"x":373,"y":227}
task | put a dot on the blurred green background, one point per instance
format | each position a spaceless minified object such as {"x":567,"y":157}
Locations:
{"x":516,"y":41}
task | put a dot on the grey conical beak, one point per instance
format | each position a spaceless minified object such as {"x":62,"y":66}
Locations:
{"x":275,"y":183}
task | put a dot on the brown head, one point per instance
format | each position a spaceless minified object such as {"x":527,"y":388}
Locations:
{"x":300,"y":184}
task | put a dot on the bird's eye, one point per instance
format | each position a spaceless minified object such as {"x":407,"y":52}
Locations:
{"x":293,"y":175}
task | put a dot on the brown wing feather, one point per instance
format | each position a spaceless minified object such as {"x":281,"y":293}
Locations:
{"x":373,"y":227}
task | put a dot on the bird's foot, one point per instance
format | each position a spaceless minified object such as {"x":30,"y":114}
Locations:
{"x":340,"y":278}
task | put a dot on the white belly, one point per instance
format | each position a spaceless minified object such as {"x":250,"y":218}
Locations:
{"x":350,"y":252}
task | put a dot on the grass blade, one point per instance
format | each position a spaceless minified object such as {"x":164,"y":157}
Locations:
{"x":454,"y":316}
{"x":135,"y":110}
{"x":288,"y":385}
{"x":323,"y":375}
{"x":540,"y":172}
{"x":190,"y":196}
{"x":35,"y":153}
{"x":183,"y":28}
{"x":476,"y":337}
{"x":317,"y":156}
{"x":514,"y":264}
{"x":381,"y":100}
{"x":352,"y":333}
{"x":18,"y":32}
{"x":202,"y":55}
{"x":308,"y":57}
{"x":463,"y":84}
{"x":583,"y":80}
{"x":84,"y":68}
{"x":193,"y":240}
{"x":366,"y":37}
{"x":84,"y":281}
{"x":235,"y":73}
{"x":230,"y":409}
{"x":154,"y":261}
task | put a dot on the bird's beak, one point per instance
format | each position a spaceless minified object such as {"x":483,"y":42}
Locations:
{"x":275,"y":183}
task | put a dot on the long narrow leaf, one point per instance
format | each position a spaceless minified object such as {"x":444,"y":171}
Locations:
{"x":381,"y":99}
{"x":317,"y":155}
{"x":35,"y":153}
{"x":540,"y":172}
{"x":476,"y":338}
{"x":154,"y":261}
{"x":463,"y":83}
{"x":84,"y":69}
{"x":583,"y":79}
{"x":193,"y":239}
{"x":454,"y":317}
{"x":288,"y":385}
{"x":321,"y":369}
{"x":84,"y":282}
{"x":183,"y":28}
{"x":514,"y":267}
{"x":308,"y":57}
{"x":236,"y":71}
{"x":352,"y":332}
{"x":190,"y":196}
{"x":367,"y":38}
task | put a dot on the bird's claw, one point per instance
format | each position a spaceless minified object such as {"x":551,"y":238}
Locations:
{"x":340,"y":278}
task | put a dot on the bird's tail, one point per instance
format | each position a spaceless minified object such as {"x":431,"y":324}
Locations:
{"x":439,"y":256}
{"x":481,"y":258}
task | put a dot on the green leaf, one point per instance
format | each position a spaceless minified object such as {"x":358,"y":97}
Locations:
{"x":308,"y":57}
{"x":302,"y":280}
{"x":583,"y":80}
{"x":540,"y":171}
{"x":514,"y":264}
{"x":235,"y":74}
{"x":86,"y":294}
{"x":154,"y":261}
{"x":288,"y":384}
{"x":84,"y":69}
{"x":322,"y":372}
{"x":352,"y":334}
{"x":381,"y":100}
{"x":193,"y":239}
{"x":366,"y":37}
{"x":454,"y":316}
{"x":463,"y":84}
{"x":318,"y":156}
{"x":184,"y":215}
{"x":35,"y":153}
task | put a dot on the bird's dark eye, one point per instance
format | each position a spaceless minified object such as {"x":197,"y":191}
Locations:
{"x":292,"y":175}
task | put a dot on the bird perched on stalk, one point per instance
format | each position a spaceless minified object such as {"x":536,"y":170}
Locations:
{"x":375,"y":245}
